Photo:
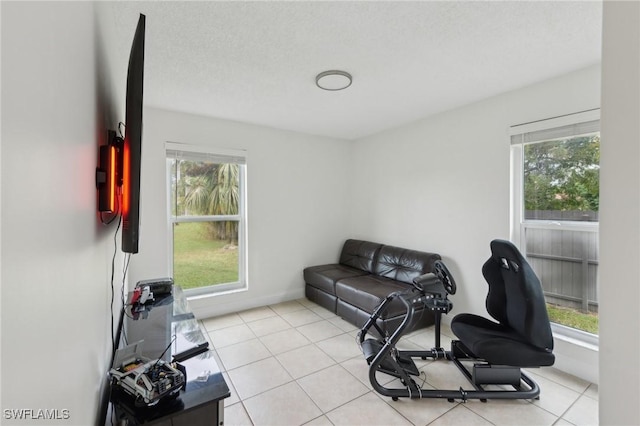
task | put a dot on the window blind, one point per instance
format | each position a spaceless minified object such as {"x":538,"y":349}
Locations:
{"x":570,"y":130}
{"x":203,"y":154}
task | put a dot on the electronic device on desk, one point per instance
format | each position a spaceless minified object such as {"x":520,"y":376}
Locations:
{"x":148,"y":381}
{"x":148,"y":290}
{"x":148,"y":294}
{"x":157,"y":286}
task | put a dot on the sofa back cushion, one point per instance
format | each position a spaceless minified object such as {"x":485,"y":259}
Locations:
{"x":360,"y":254}
{"x":403,"y":264}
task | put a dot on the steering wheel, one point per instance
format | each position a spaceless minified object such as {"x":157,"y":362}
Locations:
{"x":443,"y":274}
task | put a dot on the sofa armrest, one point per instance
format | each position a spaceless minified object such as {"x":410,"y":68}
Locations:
{"x":431,"y":284}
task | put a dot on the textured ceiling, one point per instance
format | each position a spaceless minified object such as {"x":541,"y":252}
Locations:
{"x":256,"y":62}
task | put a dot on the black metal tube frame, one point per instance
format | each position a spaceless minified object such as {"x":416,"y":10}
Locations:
{"x":412,"y":390}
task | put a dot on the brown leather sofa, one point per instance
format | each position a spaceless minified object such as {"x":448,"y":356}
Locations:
{"x":366,"y":273}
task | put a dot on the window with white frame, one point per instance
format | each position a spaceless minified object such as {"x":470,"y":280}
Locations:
{"x":555,"y":167}
{"x":207,"y":216}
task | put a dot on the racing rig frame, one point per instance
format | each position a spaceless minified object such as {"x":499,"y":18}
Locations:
{"x":432,"y":290}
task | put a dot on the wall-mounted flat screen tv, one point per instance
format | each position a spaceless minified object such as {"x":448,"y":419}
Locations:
{"x":132,"y":150}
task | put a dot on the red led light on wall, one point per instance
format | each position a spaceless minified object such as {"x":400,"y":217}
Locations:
{"x":106,"y":175}
{"x":126,"y":179}
{"x":111,"y":189}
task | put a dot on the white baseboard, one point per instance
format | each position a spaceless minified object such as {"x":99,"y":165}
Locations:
{"x":577,"y":359}
{"x":216,"y":306}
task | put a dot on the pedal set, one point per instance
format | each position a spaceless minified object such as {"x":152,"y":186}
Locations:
{"x":371,"y":348}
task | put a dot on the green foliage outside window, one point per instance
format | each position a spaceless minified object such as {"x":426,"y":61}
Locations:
{"x":199,"y":260}
{"x":206,"y":189}
{"x":562,"y":175}
{"x":205,"y":252}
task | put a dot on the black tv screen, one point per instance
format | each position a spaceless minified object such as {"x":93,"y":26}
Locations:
{"x":132,"y":150}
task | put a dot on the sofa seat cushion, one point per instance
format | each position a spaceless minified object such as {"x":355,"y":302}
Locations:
{"x":367,"y":292}
{"x":325,"y":277}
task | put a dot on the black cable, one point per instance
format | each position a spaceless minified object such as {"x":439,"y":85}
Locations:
{"x":116,"y":214}
{"x":122,"y":311}
{"x":173,"y":339}
{"x":113,"y":267}
{"x":163,"y":352}
{"x":127,"y":259}
{"x":125,"y":270}
{"x":114,"y":344}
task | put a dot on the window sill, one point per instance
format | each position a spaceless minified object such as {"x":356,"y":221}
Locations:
{"x":214,"y":293}
{"x":576,"y":337}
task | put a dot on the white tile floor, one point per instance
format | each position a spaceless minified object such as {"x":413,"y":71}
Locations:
{"x":297,"y":363}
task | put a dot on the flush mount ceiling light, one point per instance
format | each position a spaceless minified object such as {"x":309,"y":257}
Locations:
{"x":333,"y":80}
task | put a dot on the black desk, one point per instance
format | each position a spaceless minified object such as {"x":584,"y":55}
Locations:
{"x":202,"y":401}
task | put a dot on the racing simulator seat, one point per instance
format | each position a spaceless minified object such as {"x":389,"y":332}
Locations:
{"x":519,"y":337}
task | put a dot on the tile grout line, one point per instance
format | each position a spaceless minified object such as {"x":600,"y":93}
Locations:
{"x":574,"y":403}
{"x":456,"y":405}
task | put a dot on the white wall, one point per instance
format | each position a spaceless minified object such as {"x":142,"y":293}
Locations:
{"x":56,"y":254}
{"x":296,"y":196}
{"x":442,"y":184}
{"x":620,"y":216}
